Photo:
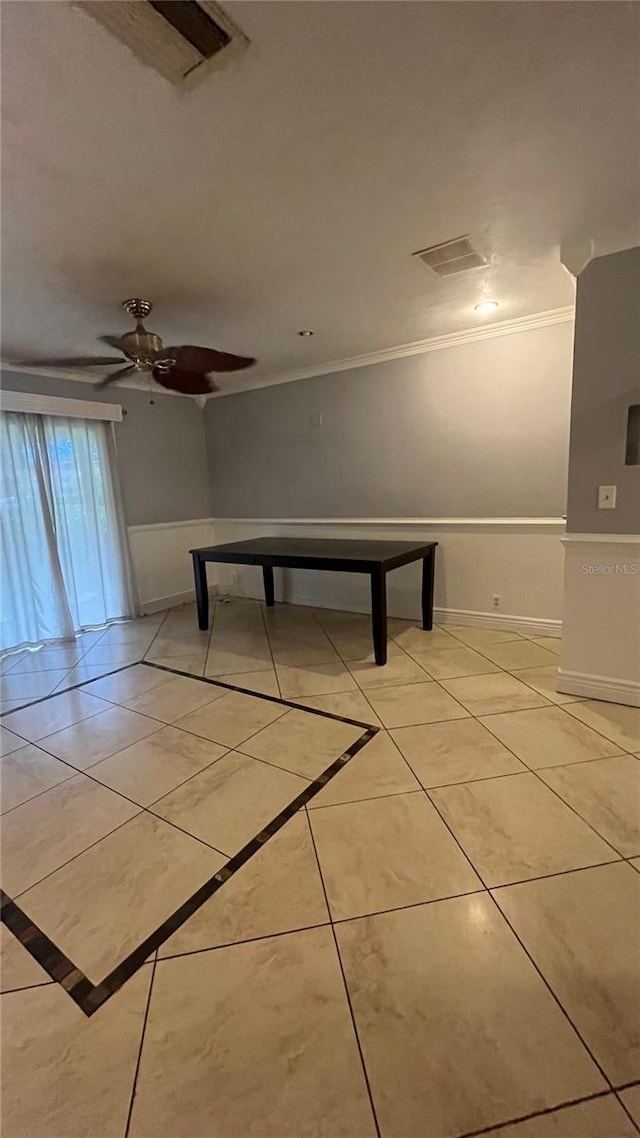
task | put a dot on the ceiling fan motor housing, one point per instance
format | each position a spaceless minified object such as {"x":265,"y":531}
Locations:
{"x":142,"y":346}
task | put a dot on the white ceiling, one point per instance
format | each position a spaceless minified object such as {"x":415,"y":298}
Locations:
{"x":289,"y":190}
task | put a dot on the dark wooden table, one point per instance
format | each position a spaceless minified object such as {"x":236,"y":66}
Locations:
{"x":376,"y":558}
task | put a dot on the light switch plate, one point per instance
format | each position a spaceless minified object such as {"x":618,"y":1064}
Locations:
{"x":607,"y":497}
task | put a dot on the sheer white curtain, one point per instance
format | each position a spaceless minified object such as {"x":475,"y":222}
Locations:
{"x":64,"y":558}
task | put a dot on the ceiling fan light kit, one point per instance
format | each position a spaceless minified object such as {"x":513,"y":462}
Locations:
{"x":185,"y":368}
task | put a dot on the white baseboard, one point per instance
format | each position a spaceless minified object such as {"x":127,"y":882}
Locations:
{"x":527,"y":625}
{"x":172,"y":601}
{"x":608,"y":688}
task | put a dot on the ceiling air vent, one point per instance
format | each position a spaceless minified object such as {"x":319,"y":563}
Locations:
{"x":451,"y":257}
{"x":181,"y":39}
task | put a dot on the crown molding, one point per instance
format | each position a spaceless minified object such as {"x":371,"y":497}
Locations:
{"x":416,"y":348}
{"x":384,"y":355}
{"x":85,"y":377}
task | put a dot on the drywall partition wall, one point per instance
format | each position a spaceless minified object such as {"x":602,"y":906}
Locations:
{"x":163,"y":473}
{"x":161,"y":452}
{"x":601,"y":607}
{"x":606,"y":381}
{"x":478,"y":430}
{"x":466,"y":446}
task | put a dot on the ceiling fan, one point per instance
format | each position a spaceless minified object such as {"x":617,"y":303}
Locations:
{"x":184,"y":368}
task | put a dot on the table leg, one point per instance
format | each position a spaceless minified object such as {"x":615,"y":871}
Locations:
{"x":379,"y":615}
{"x":428,"y":569}
{"x":267,"y":577}
{"x":202,"y":591}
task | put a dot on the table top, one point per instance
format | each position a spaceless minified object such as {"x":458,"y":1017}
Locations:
{"x":273,"y":550}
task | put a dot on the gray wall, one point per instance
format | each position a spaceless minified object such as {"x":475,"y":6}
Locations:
{"x":606,"y":379}
{"x":479,"y":430}
{"x":161,"y":450}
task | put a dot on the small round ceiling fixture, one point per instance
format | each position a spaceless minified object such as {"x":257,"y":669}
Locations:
{"x":485,"y":307}
{"x":306,"y":332}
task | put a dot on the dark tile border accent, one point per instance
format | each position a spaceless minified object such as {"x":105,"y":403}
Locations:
{"x":90,"y":997}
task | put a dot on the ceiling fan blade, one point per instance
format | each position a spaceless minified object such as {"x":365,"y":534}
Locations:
{"x":186,"y":382}
{"x":204,"y":360}
{"x":115,"y":342}
{"x":115,"y":375}
{"x":72,"y":361}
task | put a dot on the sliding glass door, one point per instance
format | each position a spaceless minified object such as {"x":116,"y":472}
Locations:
{"x":64,"y":559}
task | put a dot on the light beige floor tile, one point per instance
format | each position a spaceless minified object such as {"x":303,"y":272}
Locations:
{"x":399,"y":669}
{"x":484,"y":695}
{"x":233,"y":718}
{"x":44,"y":833}
{"x":358,"y":646}
{"x":551,"y":643}
{"x":223,"y":660}
{"x":377,"y":769}
{"x":457,"y":1029}
{"x":635,"y":862}
{"x":113,"y":654}
{"x":252,"y":1040}
{"x":133,"y":630}
{"x":606,"y":793}
{"x":264,"y":682}
{"x":9,"y":742}
{"x":53,"y":715}
{"x":67,"y":1076}
{"x":351,"y":704}
{"x":449,"y":663}
{"x":89,"y":741}
{"x":520,"y":654}
{"x":315,"y":679}
{"x":340,"y":620}
{"x":18,"y":969}
{"x":230,"y":802}
{"x":82,"y":675}
{"x":548,"y":737}
{"x":616,"y":721}
{"x":481,"y":638}
{"x":514,"y":828}
{"x":10,"y":659}
{"x":28,"y":772}
{"x":408,"y":704}
{"x":387,"y":852}
{"x":598,"y":1118}
{"x":631,"y":1099}
{"x":300,"y":651}
{"x":459,"y":751}
{"x":46,"y":659}
{"x":178,"y":645}
{"x":127,"y":684}
{"x":10,"y":705}
{"x":192,"y":663}
{"x":152,"y":767}
{"x":178,"y":696}
{"x":583,"y":932}
{"x":104,"y":903}
{"x":28,"y":686}
{"x":414,"y":639}
{"x":302,"y":742}
{"x":277,"y":890}
{"x":544,"y":680}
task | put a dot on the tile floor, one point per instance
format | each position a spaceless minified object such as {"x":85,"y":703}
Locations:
{"x":444,"y":942}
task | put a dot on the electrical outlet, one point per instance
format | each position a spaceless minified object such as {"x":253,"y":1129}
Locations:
{"x":496,"y":600}
{"x":235,"y":577}
{"x":607,"y":497}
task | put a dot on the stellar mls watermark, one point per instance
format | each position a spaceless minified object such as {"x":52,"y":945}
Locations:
{"x":618,"y":569}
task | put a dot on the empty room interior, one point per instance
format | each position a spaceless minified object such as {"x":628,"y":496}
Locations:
{"x":320,"y":569}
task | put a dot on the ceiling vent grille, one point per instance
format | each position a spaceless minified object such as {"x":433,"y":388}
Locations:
{"x":181,"y":39}
{"x":456,"y":256}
